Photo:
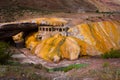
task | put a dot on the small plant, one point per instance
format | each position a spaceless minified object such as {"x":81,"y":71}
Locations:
{"x":97,"y":11}
{"x":67,"y":68}
{"x":111,"y":54}
{"x":5,"y":52}
{"x":107,"y":73}
{"x":106,"y":64}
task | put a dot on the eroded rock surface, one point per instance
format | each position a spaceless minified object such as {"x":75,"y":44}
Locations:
{"x":102,"y":35}
{"x":86,"y":39}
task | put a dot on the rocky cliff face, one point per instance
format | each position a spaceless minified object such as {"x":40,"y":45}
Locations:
{"x":91,"y":38}
{"x":102,"y":35}
{"x":84,"y":39}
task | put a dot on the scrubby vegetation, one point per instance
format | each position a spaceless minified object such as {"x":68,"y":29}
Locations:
{"x":20,"y":72}
{"x":12,"y":13}
{"x":5,"y":52}
{"x":68,"y":68}
{"x":111,"y":54}
{"x":108,"y":72}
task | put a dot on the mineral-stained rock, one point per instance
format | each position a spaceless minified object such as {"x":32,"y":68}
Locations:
{"x":70,"y":49}
{"x":18,"y":37}
{"x":56,"y":48}
{"x":92,"y":39}
{"x":60,"y":47}
{"x":85,"y":39}
{"x":31,"y":41}
{"x":102,"y":35}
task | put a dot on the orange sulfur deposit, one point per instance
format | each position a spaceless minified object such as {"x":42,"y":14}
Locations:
{"x":85,"y":39}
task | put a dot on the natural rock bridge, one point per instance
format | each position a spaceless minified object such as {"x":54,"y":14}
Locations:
{"x":92,"y":39}
{"x":12,"y":28}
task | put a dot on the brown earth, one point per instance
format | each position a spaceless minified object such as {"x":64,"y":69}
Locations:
{"x":65,"y":5}
{"x":51,"y":5}
{"x":96,"y":67}
{"x":106,"y":5}
{"x":12,"y":10}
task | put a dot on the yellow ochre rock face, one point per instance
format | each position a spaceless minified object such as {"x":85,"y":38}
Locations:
{"x":85,"y":39}
{"x":58,"y":47}
{"x":70,"y":49}
{"x":18,"y":37}
{"x":102,"y":35}
{"x":31,"y":41}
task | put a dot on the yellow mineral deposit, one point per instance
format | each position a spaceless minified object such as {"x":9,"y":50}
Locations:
{"x":18,"y":37}
{"x":51,"y":48}
{"x":70,"y":49}
{"x":56,"y":48}
{"x":98,"y":38}
{"x":31,"y":41}
{"x":102,"y":35}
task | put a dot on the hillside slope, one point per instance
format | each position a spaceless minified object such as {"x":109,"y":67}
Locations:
{"x":12,"y":10}
{"x":65,"y":5}
{"x":106,"y":5}
{"x":54,"y":5}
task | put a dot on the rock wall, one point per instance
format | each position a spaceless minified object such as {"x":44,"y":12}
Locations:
{"x":102,"y":35}
{"x":85,"y":39}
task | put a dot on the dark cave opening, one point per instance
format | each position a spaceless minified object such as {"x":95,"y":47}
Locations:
{"x":21,"y":44}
